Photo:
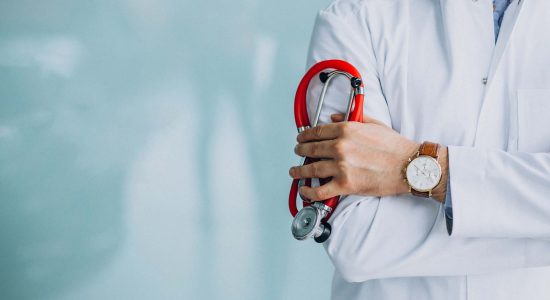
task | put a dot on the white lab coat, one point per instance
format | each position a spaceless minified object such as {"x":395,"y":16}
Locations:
{"x":433,"y":72}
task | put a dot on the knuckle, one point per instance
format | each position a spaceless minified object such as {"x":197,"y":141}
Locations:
{"x":314,"y":150}
{"x":339,"y":148}
{"x":342,"y":167}
{"x":317,"y":131}
{"x":344,"y":179}
{"x":343,"y":128}
{"x":345,"y":182}
{"x":346,"y":127}
{"x":314,"y":170}
{"x":298,"y":171}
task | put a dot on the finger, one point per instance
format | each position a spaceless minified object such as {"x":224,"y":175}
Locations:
{"x":319,"y":133}
{"x":323,"y":149}
{"x":338,"y":118}
{"x":320,"y":193}
{"x":320,"y":169}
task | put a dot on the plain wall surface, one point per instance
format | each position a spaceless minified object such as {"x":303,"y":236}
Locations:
{"x":144,"y":150}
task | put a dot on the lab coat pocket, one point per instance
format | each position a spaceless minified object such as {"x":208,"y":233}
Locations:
{"x":533,"y":121}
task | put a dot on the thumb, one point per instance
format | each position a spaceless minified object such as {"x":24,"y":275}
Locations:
{"x":337,"y":118}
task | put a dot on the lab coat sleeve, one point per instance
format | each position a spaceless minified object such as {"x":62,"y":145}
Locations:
{"x":345,"y":45}
{"x":397,"y":236}
{"x":499,"y":194}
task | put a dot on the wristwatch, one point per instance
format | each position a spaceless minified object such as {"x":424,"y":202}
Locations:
{"x":423,"y":171}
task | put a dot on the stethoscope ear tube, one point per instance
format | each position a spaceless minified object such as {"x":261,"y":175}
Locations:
{"x":300,"y":104}
{"x":354,"y":113}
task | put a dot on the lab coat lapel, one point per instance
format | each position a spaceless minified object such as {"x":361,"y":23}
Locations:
{"x":468,"y":30}
{"x":506,"y":30}
{"x":495,"y":107}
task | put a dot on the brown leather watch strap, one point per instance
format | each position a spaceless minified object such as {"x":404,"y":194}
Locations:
{"x":421,"y":194}
{"x":429,"y":149}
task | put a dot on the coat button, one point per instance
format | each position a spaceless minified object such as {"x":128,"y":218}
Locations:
{"x":484,"y":80}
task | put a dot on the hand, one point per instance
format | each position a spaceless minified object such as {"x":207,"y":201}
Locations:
{"x":362,"y":158}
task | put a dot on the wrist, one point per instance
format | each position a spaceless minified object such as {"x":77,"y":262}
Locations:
{"x":425,"y":173}
{"x":410,"y":151}
{"x":440,"y":191}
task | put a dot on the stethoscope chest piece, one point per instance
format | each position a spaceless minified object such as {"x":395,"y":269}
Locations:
{"x":308,"y":223}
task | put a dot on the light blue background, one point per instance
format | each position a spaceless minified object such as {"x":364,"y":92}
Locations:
{"x":144,"y":149}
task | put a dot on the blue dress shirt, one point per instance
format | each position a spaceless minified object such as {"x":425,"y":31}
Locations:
{"x":499,"y":7}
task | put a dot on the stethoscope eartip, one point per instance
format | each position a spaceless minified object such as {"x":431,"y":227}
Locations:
{"x":356,"y":82}
{"x":323,"y":76}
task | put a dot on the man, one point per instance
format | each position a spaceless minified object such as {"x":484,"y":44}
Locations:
{"x":473,"y":78}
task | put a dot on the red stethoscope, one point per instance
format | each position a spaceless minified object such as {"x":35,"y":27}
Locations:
{"x":311,"y":220}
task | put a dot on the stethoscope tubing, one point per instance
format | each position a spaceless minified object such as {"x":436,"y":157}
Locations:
{"x":301,"y":117}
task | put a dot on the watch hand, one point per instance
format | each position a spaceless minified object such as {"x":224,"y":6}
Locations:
{"x":422,"y":171}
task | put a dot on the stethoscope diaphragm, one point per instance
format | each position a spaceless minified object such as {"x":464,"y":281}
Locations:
{"x":308,"y":223}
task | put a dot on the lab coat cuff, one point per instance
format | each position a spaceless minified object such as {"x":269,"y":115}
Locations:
{"x":467,"y":172}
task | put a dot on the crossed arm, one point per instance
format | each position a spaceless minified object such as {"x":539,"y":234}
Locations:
{"x":499,"y":225}
{"x":362,"y":158}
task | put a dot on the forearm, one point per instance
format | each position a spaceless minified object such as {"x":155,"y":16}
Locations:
{"x":400,"y":236}
{"x":499,"y":194}
{"x":500,"y":199}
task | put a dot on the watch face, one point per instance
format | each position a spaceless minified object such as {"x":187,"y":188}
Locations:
{"x":423,"y":173}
